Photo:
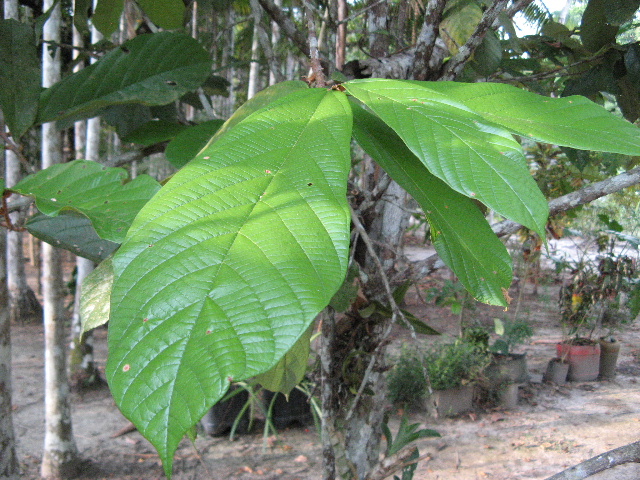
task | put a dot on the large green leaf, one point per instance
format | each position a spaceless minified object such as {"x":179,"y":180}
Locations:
{"x":152,"y":69}
{"x":460,"y":233}
{"x":188,"y":143}
{"x":595,"y":30}
{"x":95,"y":303}
{"x":153,"y":132}
{"x":262,"y":99}
{"x":106,"y":16}
{"x":168,"y":14}
{"x":20,"y":76}
{"x":71,"y":231}
{"x":98,"y":192}
{"x":226,"y":267}
{"x":459,"y":21}
{"x":290,"y":370}
{"x":569,"y":121}
{"x":473,"y":155}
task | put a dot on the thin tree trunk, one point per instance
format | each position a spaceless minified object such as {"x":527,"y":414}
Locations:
{"x":341,"y":40}
{"x":254,"y":69}
{"x":82,"y":368}
{"x":60,"y":459}
{"x":275,"y":38}
{"x":23,"y":304}
{"x":9,"y":467}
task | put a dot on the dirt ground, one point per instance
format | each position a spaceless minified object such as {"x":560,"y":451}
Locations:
{"x":551,"y":428}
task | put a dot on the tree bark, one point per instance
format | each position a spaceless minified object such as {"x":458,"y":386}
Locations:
{"x":613,"y":458}
{"x":275,"y":38}
{"x":254,"y":69}
{"x":82,"y":368}
{"x":60,"y":459}
{"x":23,"y":304}
{"x":9,"y":467}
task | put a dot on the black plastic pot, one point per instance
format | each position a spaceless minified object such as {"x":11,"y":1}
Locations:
{"x":220,"y":418}
{"x":296,"y":411}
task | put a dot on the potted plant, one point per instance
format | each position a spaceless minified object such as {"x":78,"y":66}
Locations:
{"x":505,"y":362}
{"x":453,"y":369}
{"x":600,"y":294}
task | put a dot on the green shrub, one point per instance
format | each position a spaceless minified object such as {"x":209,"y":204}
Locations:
{"x":456,"y":364}
{"x":406,"y":381}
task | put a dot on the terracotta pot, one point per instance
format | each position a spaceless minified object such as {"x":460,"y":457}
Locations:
{"x":609,"y":351}
{"x":584,"y":361}
{"x":453,"y":401}
{"x":557,"y":371}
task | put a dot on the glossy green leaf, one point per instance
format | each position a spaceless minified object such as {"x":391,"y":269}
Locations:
{"x":290,"y":370}
{"x":189,"y":142}
{"x":461,"y":235}
{"x":621,"y":11}
{"x":106,"y":17}
{"x":73,"y":232}
{"x":168,"y":14}
{"x":488,"y":56}
{"x":96,"y":191}
{"x":95,"y":302}
{"x":569,"y":121}
{"x":595,"y":30}
{"x":81,"y":15}
{"x":153,"y":132}
{"x":348,"y":291}
{"x":227,"y":266}
{"x":152,"y":69}
{"x":474,"y":156}
{"x":216,"y":85}
{"x":262,"y":99}
{"x":20,"y":76}
{"x":460,"y":20}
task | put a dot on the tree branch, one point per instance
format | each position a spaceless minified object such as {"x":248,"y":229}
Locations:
{"x":286,"y":24}
{"x":135,"y":155}
{"x":618,"y":456}
{"x":265,"y":44}
{"x":579,"y":197}
{"x":558,"y":205}
{"x":314,"y":54}
{"x":426,"y":41}
{"x":454,"y":67}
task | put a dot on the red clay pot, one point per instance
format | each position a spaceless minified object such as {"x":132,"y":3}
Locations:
{"x":584,"y":361}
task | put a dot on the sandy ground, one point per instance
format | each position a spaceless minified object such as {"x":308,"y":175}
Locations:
{"x":551,"y":428}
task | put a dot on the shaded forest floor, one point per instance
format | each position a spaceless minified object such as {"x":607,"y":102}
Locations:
{"x":552,"y":427}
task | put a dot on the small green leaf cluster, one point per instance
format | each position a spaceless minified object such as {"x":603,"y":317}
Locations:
{"x":455,"y":364}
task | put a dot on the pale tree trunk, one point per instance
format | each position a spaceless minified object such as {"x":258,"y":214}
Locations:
{"x":275,"y":38}
{"x":23,"y":304}
{"x":341,"y":40}
{"x":82,"y":367}
{"x":229,"y":49}
{"x":9,"y":467}
{"x":254,"y":69}
{"x":60,"y":458}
